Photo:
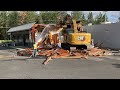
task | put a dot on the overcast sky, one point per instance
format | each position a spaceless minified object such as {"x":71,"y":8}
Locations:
{"x":112,"y":15}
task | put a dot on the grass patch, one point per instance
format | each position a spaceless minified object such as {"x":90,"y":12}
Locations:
{"x":5,"y":41}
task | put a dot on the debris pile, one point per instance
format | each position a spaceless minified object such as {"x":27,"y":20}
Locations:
{"x":61,"y":53}
{"x":55,"y":53}
{"x":96,"y":52}
{"x":26,"y":52}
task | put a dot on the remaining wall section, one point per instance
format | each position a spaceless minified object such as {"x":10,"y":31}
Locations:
{"x":106,"y":34}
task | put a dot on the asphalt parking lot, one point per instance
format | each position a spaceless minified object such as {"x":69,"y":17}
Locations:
{"x":14,"y":67}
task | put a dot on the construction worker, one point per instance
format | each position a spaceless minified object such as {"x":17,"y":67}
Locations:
{"x":34,"y":51}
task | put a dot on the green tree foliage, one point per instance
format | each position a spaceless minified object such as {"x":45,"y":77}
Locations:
{"x":100,"y":18}
{"x":27,"y":17}
{"x":39,"y":17}
{"x":31,"y":16}
{"x":84,"y":20}
{"x":13,"y":19}
{"x":62,"y":14}
{"x":3,"y":18}
{"x":119,"y":19}
{"x":51,"y":16}
{"x":3,"y":24}
{"x":22,"y":17}
{"x":47,"y":16}
{"x":77,"y":15}
{"x":90,"y":18}
{"x":105,"y":18}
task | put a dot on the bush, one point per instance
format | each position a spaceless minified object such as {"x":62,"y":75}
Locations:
{"x":5,"y":41}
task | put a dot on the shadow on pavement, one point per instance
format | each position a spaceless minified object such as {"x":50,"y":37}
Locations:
{"x":116,"y":65}
{"x":13,"y":47}
{"x":24,"y":59}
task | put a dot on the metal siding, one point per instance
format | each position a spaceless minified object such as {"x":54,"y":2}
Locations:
{"x":108,"y":34}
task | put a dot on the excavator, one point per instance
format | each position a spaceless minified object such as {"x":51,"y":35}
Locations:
{"x":75,"y":39}
{"x":69,"y":36}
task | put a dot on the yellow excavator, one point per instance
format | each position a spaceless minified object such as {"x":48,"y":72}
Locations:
{"x":73,"y":39}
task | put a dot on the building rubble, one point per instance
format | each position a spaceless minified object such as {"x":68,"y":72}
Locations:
{"x":61,"y":53}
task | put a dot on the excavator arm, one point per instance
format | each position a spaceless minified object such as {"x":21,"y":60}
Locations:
{"x":75,"y":26}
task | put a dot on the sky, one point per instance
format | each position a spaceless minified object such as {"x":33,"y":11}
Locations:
{"x":112,"y":15}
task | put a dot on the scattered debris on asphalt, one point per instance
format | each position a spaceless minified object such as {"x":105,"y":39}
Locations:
{"x":25,"y":52}
{"x":61,"y":53}
{"x":96,"y":52}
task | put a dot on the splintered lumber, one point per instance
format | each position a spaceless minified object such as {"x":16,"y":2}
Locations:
{"x":47,"y":60}
{"x":96,"y":52}
{"x":61,"y":53}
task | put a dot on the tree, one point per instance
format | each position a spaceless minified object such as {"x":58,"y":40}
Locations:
{"x":13,"y":19}
{"x":22,"y":17}
{"x":83,"y":20}
{"x":51,"y":16}
{"x":77,"y":15}
{"x":105,"y":18}
{"x":27,"y":17}
{"x":119,"y":19}
{"x":101,"y":18}
{"x":98,"y":18}
{"x":90,"y":18}
{"x":39,"y":17}
{"x":3,"y":20}
{"x":3,"y":25}
{"x":31,"y":16}
{"x":61,"y":15}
